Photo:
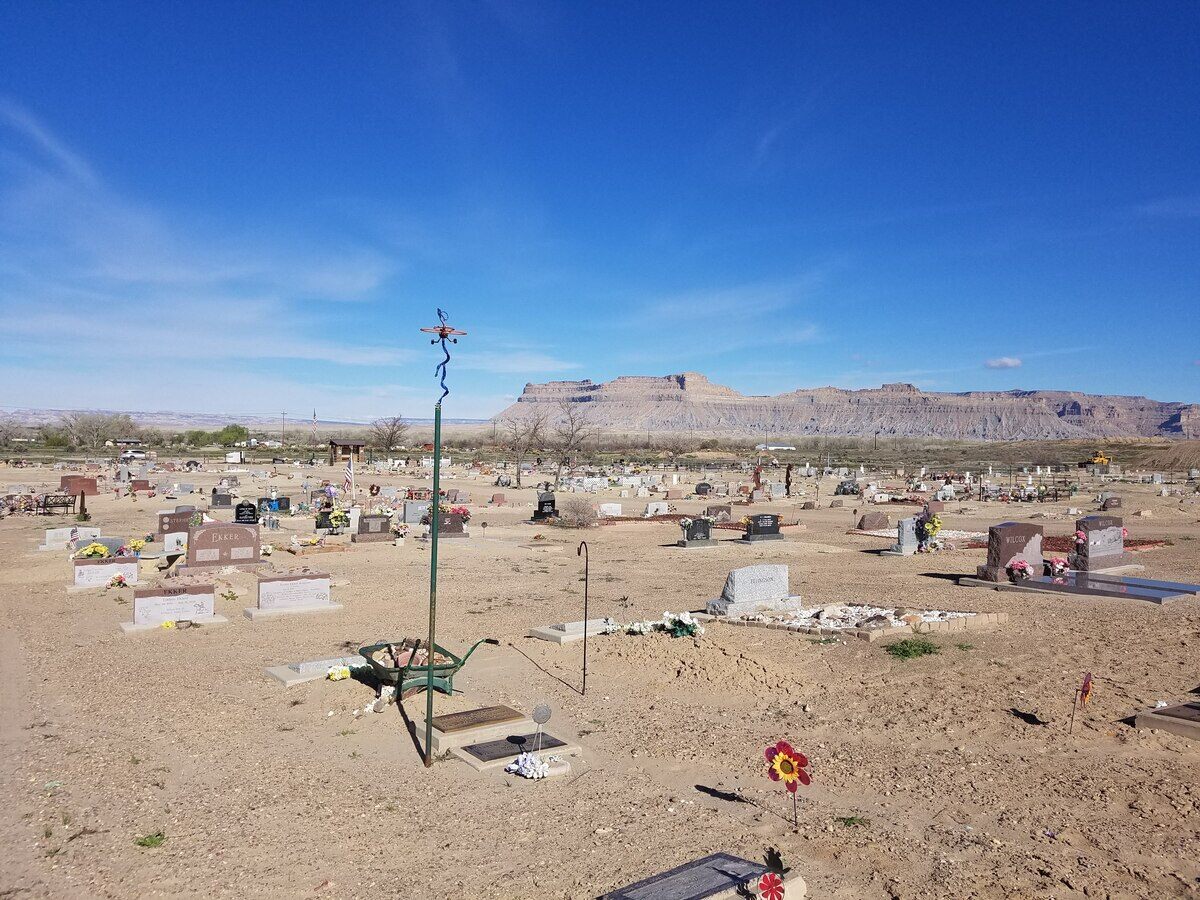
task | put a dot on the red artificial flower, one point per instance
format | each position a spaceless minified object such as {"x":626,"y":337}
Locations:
{"x":770,"y":887}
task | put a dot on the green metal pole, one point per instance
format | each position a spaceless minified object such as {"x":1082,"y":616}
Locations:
{"x":434,"y":525}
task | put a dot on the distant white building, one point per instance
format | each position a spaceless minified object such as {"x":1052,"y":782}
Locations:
{"x":774,"y":447}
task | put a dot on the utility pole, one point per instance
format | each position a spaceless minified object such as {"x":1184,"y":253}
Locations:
{"x":283,"y":432}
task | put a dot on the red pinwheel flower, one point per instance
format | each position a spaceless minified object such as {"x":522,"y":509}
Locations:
{"x":770,"y":887}
{"x":788,"y":766}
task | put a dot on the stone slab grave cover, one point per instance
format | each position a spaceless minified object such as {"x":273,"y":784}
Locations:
{"x":219,"y":544}
{"x":1182,"y":719}
{"x":91,"y":573}
{"x":762,"y":527}
{"x":496,"y":753}
{"x":567,"y":632}
{"x":755,"y":589}
{"x":173,"y":529}
{"x":292,"y":593}
{"x":173,"y":602}
{"x":312,"y":669}
{"x":1010,"y":541}
{"x":1104,"y":547}
{"x":59,"y":538}
{"x":245,"y":513}
{"x":1100,"y":585}
{"x":473,"y":726}
{"x":722,"y":512}
{"x":657,"y":508}
{"x":906,"y":538}
{"x":372,"y":528}
{"x":873,"y":521}
{"x":720,"y":875}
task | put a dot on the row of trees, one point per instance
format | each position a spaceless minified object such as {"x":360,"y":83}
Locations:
{"x":92,"y":430}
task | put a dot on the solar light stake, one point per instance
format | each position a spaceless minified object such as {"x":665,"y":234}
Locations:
{"x":583,"y":551}
{"x":444,"y":333}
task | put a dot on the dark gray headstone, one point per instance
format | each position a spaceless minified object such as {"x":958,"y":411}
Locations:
{"x":245,"y":513}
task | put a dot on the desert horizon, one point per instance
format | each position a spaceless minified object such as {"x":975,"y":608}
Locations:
{"x":532,"y":450}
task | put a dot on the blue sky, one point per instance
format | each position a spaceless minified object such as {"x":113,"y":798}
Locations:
{"x":252,"y":208}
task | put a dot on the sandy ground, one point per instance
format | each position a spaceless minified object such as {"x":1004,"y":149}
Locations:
{"x":265,"y":791}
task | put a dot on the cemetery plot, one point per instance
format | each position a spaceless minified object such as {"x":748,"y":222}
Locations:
{"x":568,"y":632}
{"x":762,"y":527}
{"x":1099,"y":544}
{"x":63,"y":538}
{"x":223,"y":545}
{"x":496,"y":753}
{"x":92,"y":573}
{"x":173,"y":530}
{"x":1118,"y":586}
{"x":1182,"y":719}
{"x":476,"y":726}
{"x":870,"y":623}
{"x":155,"y":606}
{"x":720,"y":875}
{"x":755,"y":589}
{"x":311,"y":670}
{"x":302,"y":592}
{"x":372,"y":529}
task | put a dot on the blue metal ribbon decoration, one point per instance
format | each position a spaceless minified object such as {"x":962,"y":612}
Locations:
{"x":441,"y":367}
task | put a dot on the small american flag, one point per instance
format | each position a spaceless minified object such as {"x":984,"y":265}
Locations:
{"x":348,"y":482}
{"x":74,"y":533}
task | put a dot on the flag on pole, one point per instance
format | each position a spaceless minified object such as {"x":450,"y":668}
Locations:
{"x":348,"y":483}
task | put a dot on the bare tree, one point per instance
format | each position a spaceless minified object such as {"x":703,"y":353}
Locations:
{"x":572,"y":430}
{"x":520,"y":436}
{"x":9,"y":429}
{"x":389,"y":432}
{"x":675,"y":445}
{"x":92,"y":429}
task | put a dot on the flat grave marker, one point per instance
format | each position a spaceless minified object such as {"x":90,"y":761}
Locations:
{"x":718,"y":874}
{"x":291,"y":594}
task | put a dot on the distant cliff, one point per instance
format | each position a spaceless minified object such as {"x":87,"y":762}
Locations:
{"x":689,"y":402}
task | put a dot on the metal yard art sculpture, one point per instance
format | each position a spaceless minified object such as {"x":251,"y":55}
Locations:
{"x":444,"y":333}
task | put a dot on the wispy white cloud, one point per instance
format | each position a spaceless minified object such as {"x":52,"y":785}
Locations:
{"x":516,"y":362}
{"x":1186,"y":207}
{"x":1003,"y":362}
{"x":89,"y":269}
